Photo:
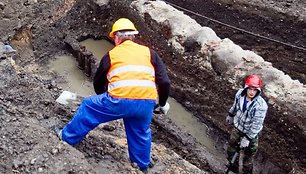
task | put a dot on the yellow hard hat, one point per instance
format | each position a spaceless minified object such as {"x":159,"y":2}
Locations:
{"x":122,"y":24}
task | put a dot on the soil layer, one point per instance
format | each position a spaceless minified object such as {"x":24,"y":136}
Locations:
{"x":28,"y":92}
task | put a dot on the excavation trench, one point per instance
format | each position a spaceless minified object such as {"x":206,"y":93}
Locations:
{"x":189,"y":86}
{"x":76,"y":81}
{"x":202,"y":83}
{"x":77,"y":72}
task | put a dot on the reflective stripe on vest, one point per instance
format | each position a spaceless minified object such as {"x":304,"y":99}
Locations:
{"x":131,"y":73}
{"x":130,"y":68}
{"x":122,"y":83}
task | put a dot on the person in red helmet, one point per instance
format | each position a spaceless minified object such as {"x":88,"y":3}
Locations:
{"x":247,"y":115}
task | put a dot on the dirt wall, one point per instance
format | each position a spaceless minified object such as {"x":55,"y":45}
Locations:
{"x":202,"y":90}
{"x":201,"y":81}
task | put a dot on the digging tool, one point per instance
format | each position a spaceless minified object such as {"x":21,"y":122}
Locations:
{"x":232,"y":161}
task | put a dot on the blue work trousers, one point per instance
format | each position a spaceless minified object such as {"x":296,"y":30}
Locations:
{"x":136,"y":114}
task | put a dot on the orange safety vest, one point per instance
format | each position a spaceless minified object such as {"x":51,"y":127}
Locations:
{"x":131,"y":74}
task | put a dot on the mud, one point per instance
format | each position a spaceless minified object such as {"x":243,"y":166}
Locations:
{"x":259,"y":19}
{"x":39,"y":31}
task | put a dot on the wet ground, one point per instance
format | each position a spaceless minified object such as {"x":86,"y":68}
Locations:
{"x":38,"y":31}
{"x":264,"y":22}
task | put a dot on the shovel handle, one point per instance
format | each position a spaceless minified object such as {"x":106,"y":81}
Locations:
{"x":234,"y":157}
{"x":232,"y":162}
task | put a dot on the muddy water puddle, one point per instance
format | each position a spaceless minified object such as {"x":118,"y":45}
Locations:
{"x":77,"y":82}
{"x":187,"y":122}
{"x":97,"y":47}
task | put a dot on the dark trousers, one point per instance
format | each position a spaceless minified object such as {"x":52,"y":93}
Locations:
{"x":249,"y":152}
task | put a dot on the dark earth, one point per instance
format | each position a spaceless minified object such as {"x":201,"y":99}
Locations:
{"x":277,"y":142}
{"x":38,"y":31}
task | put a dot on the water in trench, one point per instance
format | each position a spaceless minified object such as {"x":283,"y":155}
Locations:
{"x":78,"y":83}
{"x":97,"y":47}
{"x":75,"y":80}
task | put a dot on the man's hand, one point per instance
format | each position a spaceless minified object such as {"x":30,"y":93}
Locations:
{"x":229,"y":120}
{"x":244,"y":143}
{"x":162,"y":109}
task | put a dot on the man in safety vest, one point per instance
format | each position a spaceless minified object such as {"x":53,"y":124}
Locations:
{"x":247,"y":114}
{"x":128,"y":82}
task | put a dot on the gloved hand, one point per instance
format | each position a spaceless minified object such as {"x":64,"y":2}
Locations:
{"x":229,"y":120}
{"x":162,"y":109}
{"x":244,"y":143}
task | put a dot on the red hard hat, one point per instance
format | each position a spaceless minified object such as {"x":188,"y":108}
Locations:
{"x":254,"y":81}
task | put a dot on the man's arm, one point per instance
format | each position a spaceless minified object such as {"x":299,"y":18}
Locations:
{"x":233,"y":110}
{"x":161,"y":78}
{"x":100,"y":81}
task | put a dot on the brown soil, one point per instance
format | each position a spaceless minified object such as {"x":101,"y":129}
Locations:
{"x":38,"y":30}
{"x":282,"y":140}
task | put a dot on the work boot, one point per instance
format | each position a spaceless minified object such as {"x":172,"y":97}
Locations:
{"x":144,"y":170}
{"x":152,"y":162}
{"x":233,"y":168}
{"x":58,"y":132}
